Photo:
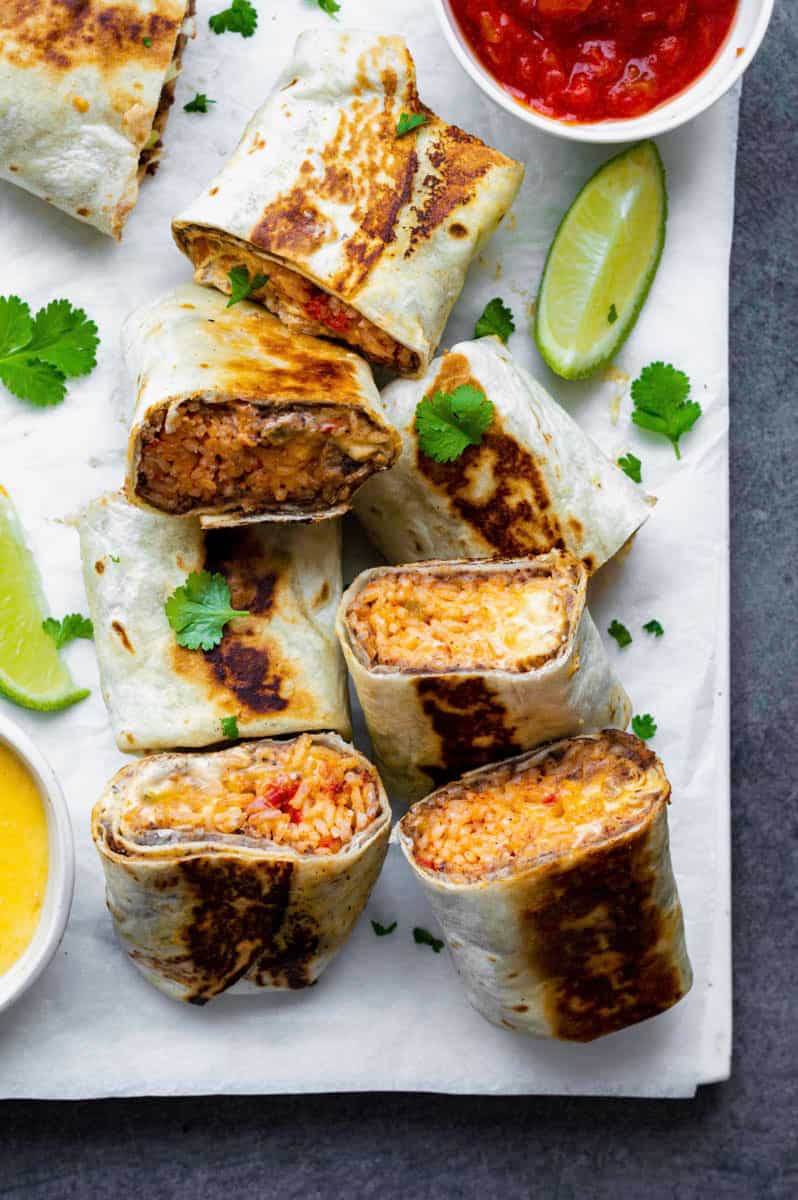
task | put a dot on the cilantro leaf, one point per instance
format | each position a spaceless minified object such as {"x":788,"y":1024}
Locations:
{"x":447,"y":424}
{"x":621,"y":634}
{"x":422,"y":937}
{"x":242,"y":286}
{"x":199,"y":610}
{"x":147,"y":41}
{"x":38,"y":382}
{"x":654,"y":627}
{"x":37,"y":354}
{"x":645,"y":727}
{"x":497,"y":318}
{"x":199,"y":103}
{"x":661,"y":405}
{"x":383,"y":930}
{"x":631,"y":466}
{"x":230,"y":727}
{"x":408,"y":122}
{"x":65,"y":337}
{"x":73,"y":625}
{"x":612,"y":315}
{"x":329,"y":6}
{"x":241,"y":17}
{"x":16,"y":326}
{"x":114,"y":558}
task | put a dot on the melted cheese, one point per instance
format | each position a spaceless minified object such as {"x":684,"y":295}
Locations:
{"x":24,"y":857}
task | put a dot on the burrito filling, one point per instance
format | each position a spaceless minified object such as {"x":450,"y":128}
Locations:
{"x":584,"y":792}
{"x":298,"y":303}
{"x":312,"y":798}
{"x":150,"y":154}
{"x":505,"y":620}
{"x":256,"y":458}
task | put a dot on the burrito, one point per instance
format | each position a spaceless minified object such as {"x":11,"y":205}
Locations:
{"x":85,"y":92}
{"x":457,"y":664}
{"x":238,"y":419}
{"x":247,"y":867}
{"x":551,"y":877}
{"x":363,"y":236}
{"x":535,"y":482}
{"x":277,"y":670}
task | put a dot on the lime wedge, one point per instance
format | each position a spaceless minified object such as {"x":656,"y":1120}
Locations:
{"x":602,"y":263}
{"x":31,"y":673}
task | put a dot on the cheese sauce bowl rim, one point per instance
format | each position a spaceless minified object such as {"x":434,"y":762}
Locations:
{"x":60,"y":887}
{"x":750,"y":25}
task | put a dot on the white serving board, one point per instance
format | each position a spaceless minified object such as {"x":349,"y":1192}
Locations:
{"x":389,"y":1014}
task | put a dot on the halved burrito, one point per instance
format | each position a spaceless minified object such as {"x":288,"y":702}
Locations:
{"x":277,"y":670}
{"x":248,"y":866}
{"x":535,"y":482}
{"x":238,"y":419}
{"x":85,"y":92}
{"x":365,"y":236}
{"x":457,"y":664}
{"x":551,"y":877}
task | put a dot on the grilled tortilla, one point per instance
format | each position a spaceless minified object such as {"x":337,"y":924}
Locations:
{"x":238,"y":419}
{"x":365,"y":237}
{"x":278,"y":670}
{"x":247,"y":867}
{"x":457,"y":664}
{"x":85,"y":91}
{"x":551,"y":877}
{"x":535,"y":482}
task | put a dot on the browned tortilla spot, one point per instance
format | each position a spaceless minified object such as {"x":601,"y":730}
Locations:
{"x":66,"y":34}
{"x":471,"y":723}
{"x":121,"y":633}
{"x":514,"y":514}
{"x":99,"y":566}
{"x":606,"y":973}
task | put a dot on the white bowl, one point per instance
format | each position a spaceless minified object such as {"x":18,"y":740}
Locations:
{"x":748,"y":30}
{"x":61,"y":873}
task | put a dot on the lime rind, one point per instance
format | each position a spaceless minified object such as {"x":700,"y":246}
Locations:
{"x":32,"y":673}
{"x":580,"y":283}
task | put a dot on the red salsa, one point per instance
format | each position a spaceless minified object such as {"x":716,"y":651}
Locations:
{"x":594,"y":60}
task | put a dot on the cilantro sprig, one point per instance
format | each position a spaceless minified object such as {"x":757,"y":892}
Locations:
{"x":331,"y":7}
{"x":422,"y":937}
{"x":631,"y":466}
{"x":199,"y":103}
{"x":660,"y":394}
{"x":73,"y":625}
{"x":38,"y":354}
{"x":383,"y":930}
{"x":621,"y":634}
{"x":448,"y":423}
{"x":497,"y":319}
{"x":242,"y":286}
{"x":241,"y":17}
{"x":199,"y":610}
{"x":644,"y":726}
{"x":408,"y":122}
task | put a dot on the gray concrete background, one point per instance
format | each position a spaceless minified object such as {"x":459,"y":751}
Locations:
{"x":734,"y":1140}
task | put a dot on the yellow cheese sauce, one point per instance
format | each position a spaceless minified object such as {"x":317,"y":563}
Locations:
{"x":24,"y":857}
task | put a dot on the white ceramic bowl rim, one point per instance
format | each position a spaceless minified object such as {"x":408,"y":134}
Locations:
{"x":754,"y":17}
{"x":61,"y":874}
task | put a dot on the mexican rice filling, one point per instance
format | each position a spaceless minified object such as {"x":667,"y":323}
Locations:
{"x":508,"y":620}
{"x":299,"y":303}
{"x":256,"y":458}
{"x":582,"y":793}
{"x":309,"y":797}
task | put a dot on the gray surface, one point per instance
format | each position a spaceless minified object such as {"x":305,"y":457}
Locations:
{"x":734,"y":1140}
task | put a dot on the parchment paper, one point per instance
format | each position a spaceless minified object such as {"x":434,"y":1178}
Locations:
{"x":390,"y":1014}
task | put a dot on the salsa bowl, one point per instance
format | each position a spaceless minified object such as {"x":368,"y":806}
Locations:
{"x":735,"y":54}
